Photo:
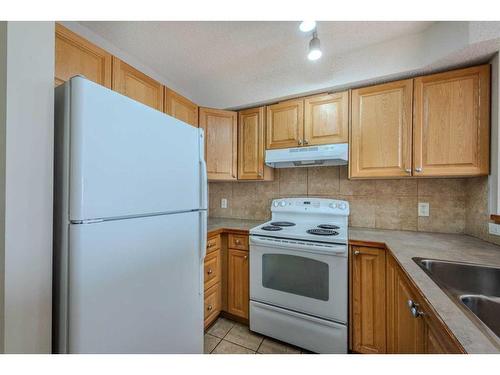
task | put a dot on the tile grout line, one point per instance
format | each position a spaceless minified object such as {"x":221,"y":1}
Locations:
{"x":260,"y":345}
{"x":222,"y":339}
{"x":234,"y":325}
{"x":241,"y":346}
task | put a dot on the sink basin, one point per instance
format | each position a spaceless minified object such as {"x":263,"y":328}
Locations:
{"x":475,"y":288}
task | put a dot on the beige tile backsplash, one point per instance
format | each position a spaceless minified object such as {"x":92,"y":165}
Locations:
{"x":384,"y":204}
{"x":476,"y":206}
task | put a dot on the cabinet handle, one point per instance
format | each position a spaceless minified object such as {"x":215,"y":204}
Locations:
{"x":209,"y":271}
{"x":408,"y":170}
{"x":260,"y":174}
{"x":245,"y":257}
{"x":356,"y":252}
{"x":237,"y":242}
{"x":414,"y":311}
{"x":306,"y":142}
{"x":300,"y":142}
{"x":210,"y":307}
{"x":211,"y":244}
{"x":419,"y":169}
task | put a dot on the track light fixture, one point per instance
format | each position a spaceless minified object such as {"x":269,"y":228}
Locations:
{"x":314,"y":48}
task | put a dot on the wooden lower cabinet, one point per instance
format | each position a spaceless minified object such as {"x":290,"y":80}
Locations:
{"x":227,"y":282}
{"x":381,"y":316}
{"x":405,"y":333}
{"x":412,"y":326}
{"x":368,"y":300}
{"x":212,"y":281}
{"x":238,"y":295}
{"x":213,"y":304}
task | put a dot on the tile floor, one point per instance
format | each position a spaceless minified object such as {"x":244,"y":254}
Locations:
{"x":228,"y":337}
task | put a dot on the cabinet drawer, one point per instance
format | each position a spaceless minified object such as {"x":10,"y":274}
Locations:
{"x":213,"y":243}
{"x":238,"y":241}
{"x":212,"y":303}
{"x":212,"y":268}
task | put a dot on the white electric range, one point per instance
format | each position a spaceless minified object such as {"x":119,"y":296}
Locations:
{"x":298,"y":274}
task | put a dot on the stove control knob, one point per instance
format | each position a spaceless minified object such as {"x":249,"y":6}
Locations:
{"x":282,"y":203}
{"x":276,"y":203}
{"x":333,"y":205}
{"x":342,"y":206}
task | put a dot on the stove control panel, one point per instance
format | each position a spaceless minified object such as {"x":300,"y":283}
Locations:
{"x":313,"y":205}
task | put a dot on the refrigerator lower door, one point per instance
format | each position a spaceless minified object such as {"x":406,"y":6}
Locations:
{"x":133,"y":286}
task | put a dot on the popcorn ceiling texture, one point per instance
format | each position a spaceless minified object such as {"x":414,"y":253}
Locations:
{"x":382,"y":204}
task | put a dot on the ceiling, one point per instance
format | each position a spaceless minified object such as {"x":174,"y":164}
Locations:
{"x":233,"y":64}
{"x":237,"y":64}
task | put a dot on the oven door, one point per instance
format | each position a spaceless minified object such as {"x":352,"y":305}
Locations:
{"x":304,"y":277}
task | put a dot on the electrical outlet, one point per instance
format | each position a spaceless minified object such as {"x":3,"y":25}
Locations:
{"x":223,"y":203}
{"x":423,"y":209}
{"x":494,"y":229}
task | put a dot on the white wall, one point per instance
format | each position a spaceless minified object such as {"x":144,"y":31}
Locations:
{"x":28,"y":136}
{"x":3,"y":91}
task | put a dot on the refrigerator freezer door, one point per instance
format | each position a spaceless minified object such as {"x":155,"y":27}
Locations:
{"x":127,"y":159}
{"x":133,"y":286}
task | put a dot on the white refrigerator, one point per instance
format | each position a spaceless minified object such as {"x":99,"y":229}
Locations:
{"x":130,"y":226}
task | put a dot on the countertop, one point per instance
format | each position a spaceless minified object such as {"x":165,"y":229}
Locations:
{"x":405,"y":245}
{"x":454,"y":247}
{"x":215,"y":224}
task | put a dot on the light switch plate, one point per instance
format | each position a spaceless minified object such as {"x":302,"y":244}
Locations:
{"x":494,"y":229}
{"x":223,"y":203}
{"x":423,"y":209}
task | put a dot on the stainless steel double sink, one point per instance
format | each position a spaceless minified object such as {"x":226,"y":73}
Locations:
{"x":475,"y":288}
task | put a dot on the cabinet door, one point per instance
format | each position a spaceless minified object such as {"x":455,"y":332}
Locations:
{"x":212,"y":304}
{"x":251,"y":138}
{"x":212,"y":267}
{"x":368,"y":300}
{"x":221,"y":143}
{"x":326,"y":119}
{"x":405,"y":333}
{"x":452,"y":123}
{"x":136,"y":85}
{"x":285,"y":124}
{"x":238,"y":283}
{"x":181,"y":108}
{"x":381,"y":130}
{"x":77,"y":56}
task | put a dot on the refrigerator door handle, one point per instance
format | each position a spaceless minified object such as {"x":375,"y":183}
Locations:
{"x":203,"y":173}
{"x":203,"y":249}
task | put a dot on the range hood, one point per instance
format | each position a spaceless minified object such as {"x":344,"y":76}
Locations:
{"x":313,"y":156}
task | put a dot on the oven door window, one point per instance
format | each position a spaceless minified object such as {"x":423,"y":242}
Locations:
{"x":296,"y":275}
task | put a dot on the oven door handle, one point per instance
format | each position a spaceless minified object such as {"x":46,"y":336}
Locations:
{"x":323,"y":248}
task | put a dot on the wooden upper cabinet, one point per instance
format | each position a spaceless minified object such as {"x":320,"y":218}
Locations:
{"x":251,"y":139}
{"x":405,"y":333}
{"x":238,"y":283}
{"x":220,"y":142}
{"x":451,"y":124}
{"x":77,"y":56}
{"x":381,"y":130}
{"x":368,"y":301}
{"x":180,"y":107}
{"x":285,"y":124}
{"x":326,"y":119}
{"x":136,"y":85}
